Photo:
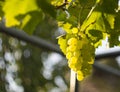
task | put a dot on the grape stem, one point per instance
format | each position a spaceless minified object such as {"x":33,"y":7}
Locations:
{"x":91,"y":10}
{"x":79,"y":17}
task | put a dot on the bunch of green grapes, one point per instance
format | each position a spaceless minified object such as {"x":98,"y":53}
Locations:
{"x":73,"y":54}
{"x":78,"y":50}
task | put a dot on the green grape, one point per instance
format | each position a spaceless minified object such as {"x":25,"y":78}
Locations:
{"x":73,"y":59}
{"x":62,"y":42}
{"x":76,"y":53}
{"x":80,"y":44}
{"x":71,"y":48}
{"x":86,"y":69}
{"x":57,"y":2}
{"x":69,"y":55}
{"x":74,"y":30}
{"x":80,"y":75}
{"x":67,"y":27}
{"x":72,"y":41}
{"x":92,"y":61}
{"x":90,"y":56}
{"x":79,"y":51}
{"x":72,"y":65}
{"x":79,"y":64}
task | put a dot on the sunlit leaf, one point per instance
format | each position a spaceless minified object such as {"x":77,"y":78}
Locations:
{"x":1,"y":12}
{"x":91,"y":20}
{"x":110,"y":19}
{"x":30,"y":21}
{"x":13,"y":8}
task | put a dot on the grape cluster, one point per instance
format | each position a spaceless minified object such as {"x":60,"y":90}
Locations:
{"x":74,"y":56}
{"x":79,"y":52}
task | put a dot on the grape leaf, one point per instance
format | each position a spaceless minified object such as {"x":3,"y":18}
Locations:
{"x":61,"y":15}
{"x":13,"y":8}
{"x":114,"y":38}
{"x":108,"y":6}
{"x":95,"y":35}
{"x":1,"y":12}
{"x":30,"y":21}
{"x":47,"y":7}
{"x":87,"y":3}
{"x":110,"y":19}
{"x":115,"y":33}
{"x":91,"y":20}
{"x":117,"y":21}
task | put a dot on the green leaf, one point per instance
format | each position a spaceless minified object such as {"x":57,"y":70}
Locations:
{"x":114,"y":38}
{"x":74,"y":13}
{"x":30,"y":21}
{"x":95,"y":35}
{"x":47,"y":7}
{"x":87,"y":3}
{"x":94,"y":28}
{"x":117,"y":21}
{"x":115,"y":33}
{"x":95,"y":16}
{"x":1,"y":12}
{"x":61,"y":15}
{"x":108,"y":6}
{"x":13,"y":8}
{"x":110,"y":19}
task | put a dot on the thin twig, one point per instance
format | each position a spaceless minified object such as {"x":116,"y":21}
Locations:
{"x":91,"y":10}
{"x":79,"y":17}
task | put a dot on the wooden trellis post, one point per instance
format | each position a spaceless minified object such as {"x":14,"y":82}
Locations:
{"x":72,"y":81}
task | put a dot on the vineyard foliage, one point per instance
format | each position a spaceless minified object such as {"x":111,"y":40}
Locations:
{"x":85,"y":22}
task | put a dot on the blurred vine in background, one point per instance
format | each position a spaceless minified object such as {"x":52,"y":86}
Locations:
{"x":31,"y":74}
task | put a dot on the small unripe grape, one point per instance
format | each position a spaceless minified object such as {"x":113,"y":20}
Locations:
{"x":71,"y":65}
{"x":80,"y":75}
{"x":72,"y":48}
{"x":74,"y":30}
{"x":91,"y":62}
{"x":67,"y":49}
{"x":80,"y":44}
{"x":73,"y":59}
{"x":72,"y":41}
{"x":69,"y":55}
{"x":79,"y":64}
{"x":76,"y":54}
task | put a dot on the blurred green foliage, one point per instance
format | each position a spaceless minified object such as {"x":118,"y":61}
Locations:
{"x":30,"y":61}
